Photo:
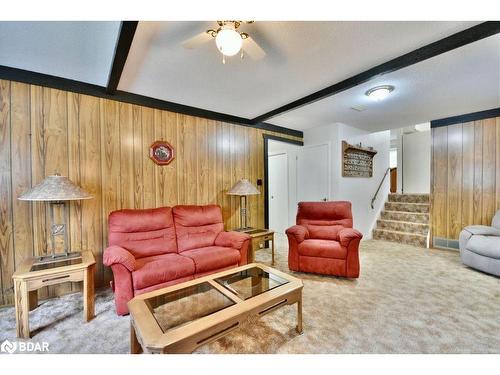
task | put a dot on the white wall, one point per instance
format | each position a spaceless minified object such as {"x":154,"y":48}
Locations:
{"x":416,"y":162}
{"x":357,"y":190}
{"x":276,"y":147}
{"x":360,"y":191}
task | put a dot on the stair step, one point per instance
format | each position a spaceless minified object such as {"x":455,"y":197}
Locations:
{"x":400,"y":237}
{"x":407,"y":207}
{"x":403,"y":226}
{"x":414,"y":217}
{"x":409,"y":198}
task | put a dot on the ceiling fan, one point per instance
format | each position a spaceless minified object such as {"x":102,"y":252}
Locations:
{"x":229,"y":40}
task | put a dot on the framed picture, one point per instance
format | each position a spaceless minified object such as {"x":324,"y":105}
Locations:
{"x":161,"y":152}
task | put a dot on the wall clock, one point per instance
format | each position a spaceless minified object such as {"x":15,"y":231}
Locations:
{"x":161,"y":152}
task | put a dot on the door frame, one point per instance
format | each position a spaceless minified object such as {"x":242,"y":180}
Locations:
{"x":285,"y":153}
{"x":267,"y":138}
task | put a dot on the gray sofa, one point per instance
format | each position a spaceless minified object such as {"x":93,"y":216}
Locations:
{"x":480,"y":246}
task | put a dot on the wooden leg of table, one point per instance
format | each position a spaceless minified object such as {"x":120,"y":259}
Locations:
{"x":252,"y":253}
{"x":299,"y":315}
{"x":272,"y":253}
{"x":135,"y":347}
{"x":33,"y":300}
{"x":22,"y":309}
{"x":88,"y":293}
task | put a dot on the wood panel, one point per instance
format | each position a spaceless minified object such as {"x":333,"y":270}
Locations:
{"x":465,"y":176}
{"x":103,"y":145}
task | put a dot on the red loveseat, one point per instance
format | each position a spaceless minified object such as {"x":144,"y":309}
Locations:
{"x":323,"y":240}
{"x":153,"y":248}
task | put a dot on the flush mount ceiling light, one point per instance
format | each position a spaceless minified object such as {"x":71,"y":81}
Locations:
{"x":380,"y":92}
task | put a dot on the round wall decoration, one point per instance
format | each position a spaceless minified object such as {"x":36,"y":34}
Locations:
{"x":161,"y":152}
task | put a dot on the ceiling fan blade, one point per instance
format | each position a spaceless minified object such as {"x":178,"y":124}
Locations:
{"x":253,"y":50}
{"x":197,"y":40}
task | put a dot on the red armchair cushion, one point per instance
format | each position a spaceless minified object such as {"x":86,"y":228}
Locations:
{"x":324,"y":232}
{"x":197,"y":226}
{"x":212,"y":258}
{"x":322,"y":249}
{"x":325,"y":213}
{"x":160,"y":269}
{"x":143,"y":232}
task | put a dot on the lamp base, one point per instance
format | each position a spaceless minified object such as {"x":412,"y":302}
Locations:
{"x":57,"y":257}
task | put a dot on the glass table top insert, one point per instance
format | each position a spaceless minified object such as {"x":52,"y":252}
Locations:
{"x":250,"y":282}
{"x":186,"y":305}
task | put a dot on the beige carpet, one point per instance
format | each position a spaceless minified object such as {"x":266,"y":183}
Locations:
{"x":407,"y":300}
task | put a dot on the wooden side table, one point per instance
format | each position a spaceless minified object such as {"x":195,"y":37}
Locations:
{"x":29,"y":278}
{"x":259,"y":236}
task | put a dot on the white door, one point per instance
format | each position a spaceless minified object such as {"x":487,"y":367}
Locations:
{"x":278,"y":192}
{"x":313,"y":173}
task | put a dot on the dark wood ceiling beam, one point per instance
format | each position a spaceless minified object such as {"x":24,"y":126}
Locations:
{"x":449,"y":43}
{"x":40,"y":79}
{"x":125,"y":38}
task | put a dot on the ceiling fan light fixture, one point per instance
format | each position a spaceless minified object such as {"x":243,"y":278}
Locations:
{"x":228,"y":41}
{"x":380,"y":92}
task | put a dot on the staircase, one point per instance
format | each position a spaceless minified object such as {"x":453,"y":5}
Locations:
{"x":405,"y":219}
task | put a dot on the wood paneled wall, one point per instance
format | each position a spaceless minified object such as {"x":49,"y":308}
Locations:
{"x":465,"y":176}
{"x":103,"y":146}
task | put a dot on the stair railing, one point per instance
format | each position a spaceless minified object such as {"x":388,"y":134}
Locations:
{"x":379,"y":186}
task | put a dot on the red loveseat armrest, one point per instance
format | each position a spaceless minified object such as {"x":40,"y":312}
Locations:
{"x":235,"y":240}
{"x":118,"y":255}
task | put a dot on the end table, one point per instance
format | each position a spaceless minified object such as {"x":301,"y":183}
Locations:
{"x":30,"y":277}
{"x":259,"y":236}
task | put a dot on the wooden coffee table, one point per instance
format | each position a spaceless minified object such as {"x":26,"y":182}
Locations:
{"x":182,"y":317}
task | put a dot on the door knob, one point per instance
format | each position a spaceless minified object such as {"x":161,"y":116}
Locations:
{"x":324,"y":199}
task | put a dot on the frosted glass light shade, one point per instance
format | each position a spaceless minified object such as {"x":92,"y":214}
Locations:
{"x":243,"y":187}
{"x":54,"y":189}
{"x":228,"y":41}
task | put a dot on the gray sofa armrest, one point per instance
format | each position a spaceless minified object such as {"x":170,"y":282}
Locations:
{"x":482,"y":230}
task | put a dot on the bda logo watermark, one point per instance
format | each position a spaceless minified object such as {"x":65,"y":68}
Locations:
{"x":23,"y":347}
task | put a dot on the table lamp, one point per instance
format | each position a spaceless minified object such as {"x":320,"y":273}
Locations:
{"x":243,"y":188}
{"x":57,"y":190}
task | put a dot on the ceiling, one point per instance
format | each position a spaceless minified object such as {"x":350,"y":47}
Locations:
{"x":302,"y":57}
{"x":82,"y":51}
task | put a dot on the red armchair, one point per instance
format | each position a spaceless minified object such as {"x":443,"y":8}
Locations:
{"x":323,"y":240}
{"x":154,"y":248}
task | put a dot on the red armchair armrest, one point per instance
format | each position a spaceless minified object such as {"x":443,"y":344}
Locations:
{"x":118,"y":255}
{"x":231,"y":239}
{"x":299,"y":232}
{"x":346,"y":235}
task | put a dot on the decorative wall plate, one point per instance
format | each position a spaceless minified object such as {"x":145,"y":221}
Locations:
{"x":161,"y":152}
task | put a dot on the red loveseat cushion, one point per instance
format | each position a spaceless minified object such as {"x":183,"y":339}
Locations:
{"x":143,"y":232}
{"x":322,"y":249}
{"x":161,"y":268}
{"x":197,"y":226}
{"x":212,"y":258}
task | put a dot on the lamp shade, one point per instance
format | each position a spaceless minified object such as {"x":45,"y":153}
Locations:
{"x":55,"y":188}
{"x":243,"y":187}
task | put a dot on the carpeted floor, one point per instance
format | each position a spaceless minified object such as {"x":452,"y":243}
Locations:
{"x":407,"y":300}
